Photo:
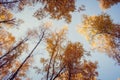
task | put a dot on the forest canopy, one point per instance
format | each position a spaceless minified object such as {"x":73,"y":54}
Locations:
{"x":62,"y":58}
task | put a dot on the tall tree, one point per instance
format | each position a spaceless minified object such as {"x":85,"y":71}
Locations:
{"x":102,"y":33}
{"x":40,"y":33}
{"x":66,"y":57}
{"x":55,"y":49}
{"x":75,"y":67}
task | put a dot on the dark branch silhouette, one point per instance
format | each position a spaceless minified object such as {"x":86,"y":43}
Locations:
{"x":16,"y":72}
{"x":53,"y":71}
{"x":11,"y":21}
{"x":58,"y":73}
{"x":21,"y":42}
{"x":7,"y":2}
{"x":1,"y":65}
{"x":52,"y":58}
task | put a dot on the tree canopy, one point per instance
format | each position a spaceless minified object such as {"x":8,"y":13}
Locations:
{"x":64,"y":58}
{"x":102,"y":34}
{"x":107,"y":4}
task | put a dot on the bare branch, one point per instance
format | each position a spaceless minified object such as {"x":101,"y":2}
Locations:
{"x":59,"y":72}
{"x":7,"y":2}
{"x":21,"y":42}
{"x":16,"y":72}
{"x":8,"y":21}
{"x":52,"y":58}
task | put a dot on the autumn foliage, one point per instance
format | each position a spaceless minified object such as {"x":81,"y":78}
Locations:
{"x":65,"y":59}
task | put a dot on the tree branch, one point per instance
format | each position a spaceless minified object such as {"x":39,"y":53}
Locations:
{"x":51,"y":59}
{"x":21,"y":42}
{"x":1,"y":65}
{"x":16,"y":72}
{"x":59,"y":72}
{"x":53,"y":66}
{"x":7,"y":2}
{"x":49,"y":66}
{"x":8,"y":21}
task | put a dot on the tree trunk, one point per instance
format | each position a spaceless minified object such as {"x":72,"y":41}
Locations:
{"x":69,"y":74}
{"x":15,"y":74}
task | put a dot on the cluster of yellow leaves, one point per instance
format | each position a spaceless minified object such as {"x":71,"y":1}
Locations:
{"x":97,"y":30}
{"x":40,"y":14}
{"x":59,"y":9}
{"x":103,"y":42}
{"x":70,"y":57}
{"x":105,"y":4}
{"x":43,"y":60}
{"x":23,"y":47}
{"x":6,"y":40}
{"x":5,"y":15}
{"x":85,"y":71}
{"x":65,"y":27}
{"x":55,"y":40}
{"x":102,"y":34}
{"x":23,"y":70}
{"x":73,"y":53}
{"x":48,"y":24}
{"x":101,"y":23}
{"x":25,"y":67}
{"x":88,"y":72}
{"x":12,"y":67}
{"x":8,"y":68}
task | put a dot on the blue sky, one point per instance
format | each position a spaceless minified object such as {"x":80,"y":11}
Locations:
{"x":107,"y":68}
